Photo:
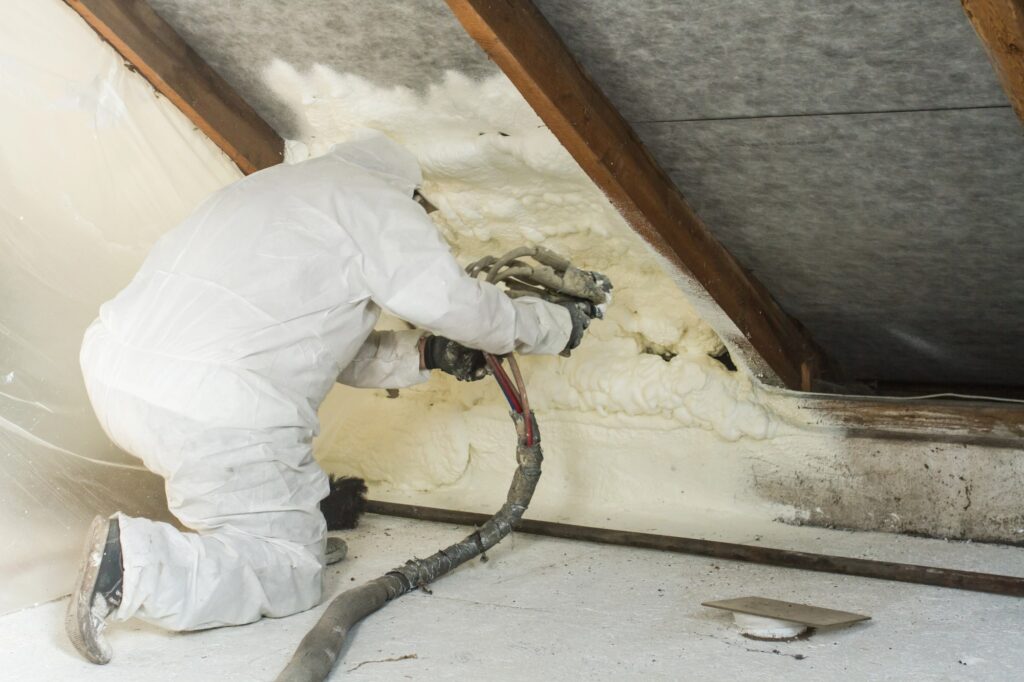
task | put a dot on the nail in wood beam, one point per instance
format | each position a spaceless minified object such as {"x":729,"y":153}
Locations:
{"x":149,"y":44}
{"x":524,"y":45}
{"x":1000,"y":25}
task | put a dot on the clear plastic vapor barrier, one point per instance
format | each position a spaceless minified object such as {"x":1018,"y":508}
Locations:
{"x":94,"y":166}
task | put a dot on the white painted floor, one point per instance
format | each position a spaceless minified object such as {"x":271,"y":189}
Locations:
{"x":544,"y":609}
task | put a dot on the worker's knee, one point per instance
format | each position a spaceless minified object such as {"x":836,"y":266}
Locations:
{"x":308,"y":582}
{"x":291,"y":576}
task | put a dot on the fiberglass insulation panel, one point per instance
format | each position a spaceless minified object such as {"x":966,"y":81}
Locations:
{"x":895,"y":239}
{"x":684,"y":59}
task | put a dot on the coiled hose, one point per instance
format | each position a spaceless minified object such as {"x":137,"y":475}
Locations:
{"x":316,"y":655}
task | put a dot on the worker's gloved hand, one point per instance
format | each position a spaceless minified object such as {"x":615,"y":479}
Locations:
{"x":605,"y":285}
{"x":465,"y":364}
{"x":581,"y":313}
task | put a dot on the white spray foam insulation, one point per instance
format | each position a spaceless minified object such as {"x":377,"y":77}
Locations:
{"x":501,"y":180}
{"x":631,"y":439}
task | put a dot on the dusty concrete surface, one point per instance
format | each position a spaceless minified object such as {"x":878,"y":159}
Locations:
{"x":550,"y":609}
{"x":944,"y":490}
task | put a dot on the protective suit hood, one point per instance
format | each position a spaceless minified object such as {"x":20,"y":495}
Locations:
{"x":376,"y":153}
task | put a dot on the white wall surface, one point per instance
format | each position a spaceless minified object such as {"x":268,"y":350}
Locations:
{"x":94,"y":166}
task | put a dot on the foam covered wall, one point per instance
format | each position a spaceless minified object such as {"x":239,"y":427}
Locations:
{"x":642,"y":426}
{"x":94,"y":166}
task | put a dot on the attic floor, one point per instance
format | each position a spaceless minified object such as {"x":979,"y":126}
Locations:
{"x":552,"y":609}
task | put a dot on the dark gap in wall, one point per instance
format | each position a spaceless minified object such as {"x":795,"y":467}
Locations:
{"x":726,"y":360}
{"x":665,"y":355}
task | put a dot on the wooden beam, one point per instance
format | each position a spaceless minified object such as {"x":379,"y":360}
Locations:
{"x":1000,"y":25}
{"x":149,"y":44}
{"x":525,"y":46}
{"x":991,"y":424}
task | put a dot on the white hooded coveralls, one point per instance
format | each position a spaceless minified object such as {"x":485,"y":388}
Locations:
{"x":210,"y":367}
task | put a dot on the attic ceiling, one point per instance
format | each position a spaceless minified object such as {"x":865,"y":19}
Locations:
{"x":409,"y":43}
{"x":859,"y":157}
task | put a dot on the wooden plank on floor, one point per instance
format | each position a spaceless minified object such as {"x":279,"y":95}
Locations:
{"x":1000,"y":25}
{"x":525,"y":46}
{"x":149,"y":44}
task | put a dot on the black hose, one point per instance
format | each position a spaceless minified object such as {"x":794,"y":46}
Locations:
{"x":319,"y":650}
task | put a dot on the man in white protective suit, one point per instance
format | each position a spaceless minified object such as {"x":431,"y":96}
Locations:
{"x":210,"y":367}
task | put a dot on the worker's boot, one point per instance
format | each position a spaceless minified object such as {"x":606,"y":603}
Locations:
{"x":98,"y":591}
{"x":337,"y":549}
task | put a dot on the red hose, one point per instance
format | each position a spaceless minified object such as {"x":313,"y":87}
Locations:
{"x":518,"y":400}
{"x":523,"y":398}
{"x":504,"y":383}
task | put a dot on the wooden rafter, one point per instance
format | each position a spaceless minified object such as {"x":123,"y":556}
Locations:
{"x":525,"y":46}
{"x":1000,"y":25}
{"x":149,"y":44}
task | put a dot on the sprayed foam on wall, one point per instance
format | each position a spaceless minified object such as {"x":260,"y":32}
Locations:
{"x":642,"y":427}
{"x":501,"y":180}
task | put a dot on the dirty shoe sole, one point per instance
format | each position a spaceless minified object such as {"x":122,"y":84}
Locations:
{"x":337,"y":549}
{"x":82,"y":623}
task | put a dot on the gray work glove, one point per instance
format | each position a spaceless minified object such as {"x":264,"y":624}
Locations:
{"x":465,"y":364}
{"x":581,"y":313}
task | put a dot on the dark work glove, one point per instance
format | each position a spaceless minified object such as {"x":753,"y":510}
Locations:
{"x":465,"y":364}
{"x":581,"y":313}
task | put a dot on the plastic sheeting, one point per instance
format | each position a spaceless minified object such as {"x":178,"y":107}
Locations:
{"x":94,"y":166}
